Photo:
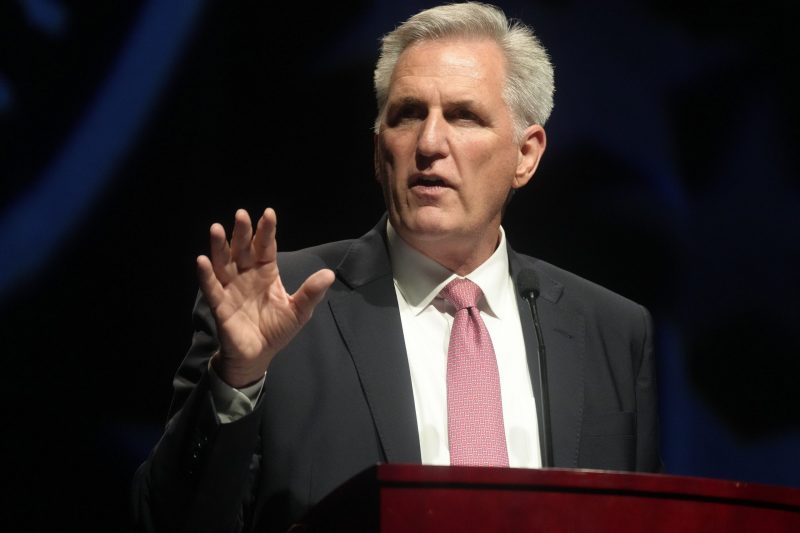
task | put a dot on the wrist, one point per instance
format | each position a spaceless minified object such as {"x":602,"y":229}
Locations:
{"x":235,"y":373}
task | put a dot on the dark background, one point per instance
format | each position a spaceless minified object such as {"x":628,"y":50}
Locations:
{"x":128,"y":127}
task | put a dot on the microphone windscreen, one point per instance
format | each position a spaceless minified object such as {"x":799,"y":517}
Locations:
{"x":528,"y":282}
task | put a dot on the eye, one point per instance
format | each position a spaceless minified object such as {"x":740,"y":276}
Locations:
{"x":464,"y":115}
{"x":405,"y":113}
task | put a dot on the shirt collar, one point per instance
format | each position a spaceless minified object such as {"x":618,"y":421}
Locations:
{"x":419,"y":278}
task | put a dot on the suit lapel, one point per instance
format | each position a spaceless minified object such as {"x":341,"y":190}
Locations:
{"x":563,"y":331}
{"x":367,"y":315}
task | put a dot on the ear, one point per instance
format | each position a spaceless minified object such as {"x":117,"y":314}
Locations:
{"x":531,"y":149}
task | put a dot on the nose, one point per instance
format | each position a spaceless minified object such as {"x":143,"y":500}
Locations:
{"x":432,"y":142}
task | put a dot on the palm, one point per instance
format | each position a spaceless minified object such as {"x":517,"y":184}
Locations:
{"x":255,"y":315}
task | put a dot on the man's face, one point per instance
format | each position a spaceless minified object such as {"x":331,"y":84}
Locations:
{"x":446,"y":155}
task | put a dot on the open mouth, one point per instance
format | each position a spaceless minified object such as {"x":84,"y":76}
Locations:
{"x":428,"y":181}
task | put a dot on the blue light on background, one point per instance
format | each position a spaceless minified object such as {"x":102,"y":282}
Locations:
{"x":36,"y":223}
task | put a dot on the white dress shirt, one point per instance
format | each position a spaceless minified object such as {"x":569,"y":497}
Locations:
{"x":427,"y":319}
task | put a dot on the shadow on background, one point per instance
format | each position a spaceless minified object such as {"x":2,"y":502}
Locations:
{"x":128,"y":127}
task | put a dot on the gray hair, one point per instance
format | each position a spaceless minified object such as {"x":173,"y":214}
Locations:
{"x":529,"y":74}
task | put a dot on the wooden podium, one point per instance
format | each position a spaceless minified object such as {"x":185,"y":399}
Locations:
{"x":414,"y":498}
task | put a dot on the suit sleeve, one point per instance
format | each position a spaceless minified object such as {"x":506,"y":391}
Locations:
{"x":648,"y":456}
{"x":199,"y":477}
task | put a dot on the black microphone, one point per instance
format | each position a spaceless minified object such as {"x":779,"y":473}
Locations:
{"x":528,"y":283}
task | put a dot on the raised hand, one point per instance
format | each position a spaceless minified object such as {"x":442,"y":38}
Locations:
{"x":255,"y":315}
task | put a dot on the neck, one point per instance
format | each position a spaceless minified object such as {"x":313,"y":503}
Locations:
{"x":458,"y":257}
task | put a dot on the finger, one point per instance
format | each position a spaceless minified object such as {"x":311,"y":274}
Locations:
{"x":221,"y":254}
{"x":311,"y":293}
{"x":240,"y":240}
{"x":209,"y":284}
{"x":265,"y":248}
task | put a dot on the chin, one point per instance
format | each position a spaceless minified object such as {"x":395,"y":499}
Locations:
{"x":429,"y":219}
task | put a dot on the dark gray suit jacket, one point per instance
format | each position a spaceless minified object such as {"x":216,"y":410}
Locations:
{"x":338,"y":399}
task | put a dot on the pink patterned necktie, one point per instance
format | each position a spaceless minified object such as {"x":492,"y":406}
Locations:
{"x":475,"y":427}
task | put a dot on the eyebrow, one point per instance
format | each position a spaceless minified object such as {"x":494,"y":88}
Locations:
{"x":405,"y":101}
{"x":468,"y":103}
{"x":414,"y":101}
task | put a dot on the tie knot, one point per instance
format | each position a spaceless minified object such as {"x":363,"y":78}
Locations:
{"x":462,"y":293}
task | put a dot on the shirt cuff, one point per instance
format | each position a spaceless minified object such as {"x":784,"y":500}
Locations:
{"x":231,"y":403}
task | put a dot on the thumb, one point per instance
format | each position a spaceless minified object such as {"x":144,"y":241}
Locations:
{"x":311,"y":293}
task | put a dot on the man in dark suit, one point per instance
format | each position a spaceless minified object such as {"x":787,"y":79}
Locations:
{"x":307,"y":367}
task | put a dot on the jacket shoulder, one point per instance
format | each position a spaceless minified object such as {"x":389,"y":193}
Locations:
{"x":578,"y":292}
{"x":297,"y":265}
